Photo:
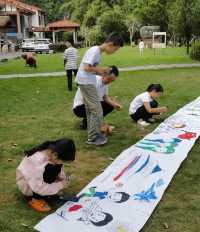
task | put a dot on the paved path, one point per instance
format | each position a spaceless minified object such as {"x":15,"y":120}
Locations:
{"x":136,"y":68}
{"x":10,"y":55}
{"x":160,"y":66}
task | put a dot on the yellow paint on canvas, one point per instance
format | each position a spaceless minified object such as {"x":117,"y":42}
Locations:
{"x":121,"y":229}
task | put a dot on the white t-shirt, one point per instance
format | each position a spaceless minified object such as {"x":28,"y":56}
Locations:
{"x":141,"y":45}
{"x":102,"y":90}
{"x":92,"y":57}
{"x":139,"y":101}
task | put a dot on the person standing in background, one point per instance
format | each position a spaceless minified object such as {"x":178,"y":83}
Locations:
{"x":70,"y":63}
{"x":141,"y":47}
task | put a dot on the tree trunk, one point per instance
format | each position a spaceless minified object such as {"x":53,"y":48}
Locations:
{"x":188,"y":47}
{"x":174,"y":40}
{"x":131,"y":38}
{"x":130,"y":35}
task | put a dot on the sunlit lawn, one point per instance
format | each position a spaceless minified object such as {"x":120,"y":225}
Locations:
{"x":125,"y":57}
{"x":36,"y":109}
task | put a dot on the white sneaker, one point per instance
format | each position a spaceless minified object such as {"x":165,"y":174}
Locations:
{"x":151,"y":120}
{"x":143,"y":123}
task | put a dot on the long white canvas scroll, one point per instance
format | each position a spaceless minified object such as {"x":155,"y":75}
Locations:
{"x":124,"y":196}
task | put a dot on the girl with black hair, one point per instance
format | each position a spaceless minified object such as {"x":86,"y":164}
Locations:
{"x":40,"y":173}
{"x":144,"y":106}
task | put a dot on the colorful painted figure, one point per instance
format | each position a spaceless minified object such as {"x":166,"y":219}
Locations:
{"x":97,"y":217}
{"x":150,"y":194}
{"x":187,"y":135}
{"x":117,"y":197}
{"x":88,"y":214}
{"x":143,"y":165}
{"x":159,"y":145}
{"x":127,"y":168}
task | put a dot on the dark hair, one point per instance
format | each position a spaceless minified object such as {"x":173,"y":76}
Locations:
{"x":24,"y":56}
{"x":156,"y":87}
{"x":70,"y":41}
{"x":125,"y":197}
{"x":115,"y":39}
{"x":104,"y":222}
{"x":114,"y":70}
{"x":65,"y":148}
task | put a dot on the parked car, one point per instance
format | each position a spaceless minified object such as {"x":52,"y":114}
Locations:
{"x":42,"y":46}
{"x":28,"y":45}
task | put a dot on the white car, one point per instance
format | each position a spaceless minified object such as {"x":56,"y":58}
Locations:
{"x":28,"y":45}
{"x":42,"y":46}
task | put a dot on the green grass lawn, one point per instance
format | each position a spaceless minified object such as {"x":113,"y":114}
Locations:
{"x":37,"y":109}
{"x":125,"y":57}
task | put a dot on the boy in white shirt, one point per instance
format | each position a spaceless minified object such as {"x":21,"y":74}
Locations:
{"x":141,"y":47}
{"x":108,"y":103}
{"x":86,"y":79}
{"x":144,"y":106}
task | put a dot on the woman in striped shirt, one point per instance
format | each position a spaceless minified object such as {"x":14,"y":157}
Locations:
{"x":70,"y":63}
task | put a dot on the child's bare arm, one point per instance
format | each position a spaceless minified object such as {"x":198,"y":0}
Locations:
{"x":97,"y":70}
{"x":154,"y":110}
{"x":112,"y":101}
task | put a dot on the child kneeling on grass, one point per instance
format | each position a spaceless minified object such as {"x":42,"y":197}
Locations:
{"x":144,"y":106}
{"x":30,"y":59}
{"x":40,"y":174}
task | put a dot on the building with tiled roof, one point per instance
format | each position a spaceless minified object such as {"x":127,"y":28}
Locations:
{"x":63,"y":24}
{"x":60,"y":26}
{"x":18,"y":18}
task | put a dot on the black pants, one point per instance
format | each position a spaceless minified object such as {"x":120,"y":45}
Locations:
{"x":80,"y":111}
{"x":50,"y":199}
{"x":31,"y":62}
{"x":69,"y":77}
{"x":142,"y":113}
{"x":38,"y":197}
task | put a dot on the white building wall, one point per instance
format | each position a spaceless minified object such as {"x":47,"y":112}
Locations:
{"x":35,"y":20}
{"x":35,"y":23}
{"x":9,"y":8}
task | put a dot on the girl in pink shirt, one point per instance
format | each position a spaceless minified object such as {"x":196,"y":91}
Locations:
{"x":40,"y":173}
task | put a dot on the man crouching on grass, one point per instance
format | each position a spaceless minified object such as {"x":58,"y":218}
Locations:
{"x":108,"y":103}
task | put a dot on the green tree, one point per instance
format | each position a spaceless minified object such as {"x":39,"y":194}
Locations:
{"x":95,"y":10}
{"x":112,"y":21}
{"x":153,"y":12}
{"x":50,"y":6}
{"x":133,"y":26}
{"x":67,"y":9}
{"x":173,"y":16}
{"x":184,"y":19}
{"x":76,"y":8}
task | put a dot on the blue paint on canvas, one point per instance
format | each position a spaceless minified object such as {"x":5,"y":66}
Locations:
{"x":150,"y":194}
{"x":156,"y":169}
